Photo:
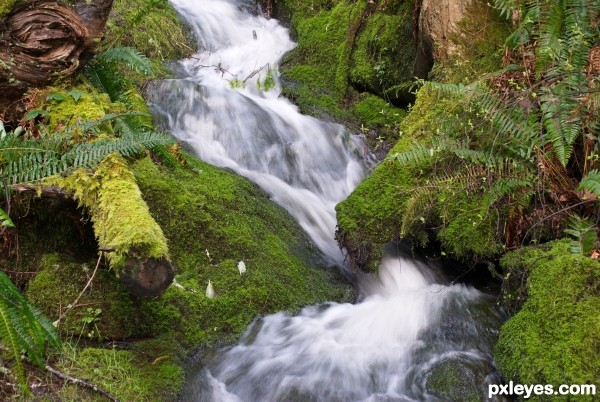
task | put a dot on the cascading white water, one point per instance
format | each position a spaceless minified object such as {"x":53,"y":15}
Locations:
{"x":306,"y":165}
{"x":384,"y":348}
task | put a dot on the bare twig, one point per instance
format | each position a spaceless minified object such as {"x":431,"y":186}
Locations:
{"x":70,"y":306}
{"x":74,"y":380}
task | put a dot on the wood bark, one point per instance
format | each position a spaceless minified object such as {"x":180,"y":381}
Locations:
{"x":41,"y":41}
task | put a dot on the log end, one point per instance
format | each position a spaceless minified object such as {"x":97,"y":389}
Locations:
{"x":147,"y":277}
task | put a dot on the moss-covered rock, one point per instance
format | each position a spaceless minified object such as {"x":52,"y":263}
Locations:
{"x":555,"y":338}
{"x":214,"y":219}
{"x":76,"y":105}
{"x":453,"y":380}
{"x":345,"y":49}
{"x":152,"y":27}
{"x":374,"y":213}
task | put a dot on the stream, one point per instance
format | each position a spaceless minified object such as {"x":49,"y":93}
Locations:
{"x":410,"y":333}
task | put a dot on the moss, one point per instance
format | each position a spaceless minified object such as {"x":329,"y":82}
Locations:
{"x":120,"y":215}
{"x":6,"y":6}
{"x":341,"y":44}
{"x":213,"y":219}
{"x":453,"y":380}
{"x":123,"y":373}
{"x":555,"y":338}
{"x":384,"y":51}
{"x":105,"y":311}
{"x":75,"y":105}
{"x":152,"y":27}
{"x":373,"y":111}
{"x":371,"y":216}
{"x":467,"y":228}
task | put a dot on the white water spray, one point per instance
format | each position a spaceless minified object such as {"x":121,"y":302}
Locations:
{"x":306,"y":165}
{"x":384,"y":348}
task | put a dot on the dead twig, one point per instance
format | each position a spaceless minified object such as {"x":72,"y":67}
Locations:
{"x":70,"y":306}
{"x":74,"y":380}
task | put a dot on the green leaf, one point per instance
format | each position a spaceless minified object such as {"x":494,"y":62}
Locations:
{"x":76,"y":94}
{"x":56,"y":96}
{"x":5,"y":220}
{"x":591,"y":183}
{"x":32,"y":114}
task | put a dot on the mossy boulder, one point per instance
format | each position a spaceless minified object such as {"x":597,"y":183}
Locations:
{"x":555,"y":338}
{"x":455,"y":380}
{"x":345,"y":51}
{"x":213,"y":219}
{"x":152,"y":27}
{"x":409,"y":200}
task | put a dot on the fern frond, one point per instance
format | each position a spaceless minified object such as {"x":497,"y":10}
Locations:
{"x":23,"y":329}
{"x":416,"y":208}
{"x":591,"y":183}
{"x":128,"y":56}
{"x":37,"y":164}
{"x":502,"y":187}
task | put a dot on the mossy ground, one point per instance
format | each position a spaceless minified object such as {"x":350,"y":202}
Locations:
{"x":555,"y":338}
{"x":152,"y":27}
{"x":212,"y":219}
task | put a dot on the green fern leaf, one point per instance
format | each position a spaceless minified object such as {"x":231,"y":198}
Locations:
{"x":591,"y":183}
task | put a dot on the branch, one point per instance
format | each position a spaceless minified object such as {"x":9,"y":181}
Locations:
{"x":44,"y":191}
{"x":70,"y":306}
{"x":74,"y":380}
{"x":80,"y":382}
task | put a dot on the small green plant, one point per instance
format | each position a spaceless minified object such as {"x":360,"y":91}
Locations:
{"x":23,"y":330}
{"x":90,"y":321}
{"x":584,"y":234}
{"x":236,"y":83}
{"x":269,"y":81}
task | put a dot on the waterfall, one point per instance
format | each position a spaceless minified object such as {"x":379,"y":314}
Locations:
{"x":407,"y":325}
{"x":306,"y":165}
{"x":386,"y":348}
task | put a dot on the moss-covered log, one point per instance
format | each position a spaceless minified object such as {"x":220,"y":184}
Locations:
{"x":123,"y":225}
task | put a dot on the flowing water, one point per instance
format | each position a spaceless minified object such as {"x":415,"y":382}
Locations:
{"x":408,"y":332}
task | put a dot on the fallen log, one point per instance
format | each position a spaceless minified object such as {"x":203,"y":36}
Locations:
{"x":131,"y":239}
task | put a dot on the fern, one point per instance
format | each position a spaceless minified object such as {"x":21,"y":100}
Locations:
{"x":23,"y":329}
{"x":416,"y":208}
{"x":591,"y":183}
{"x":584,"y":235}
{"x":127,"y":56}
{"x":36,"y":163}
